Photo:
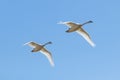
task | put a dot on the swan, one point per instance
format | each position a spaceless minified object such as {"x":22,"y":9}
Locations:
{"x":76,"y":27}
{"x":40,"y":48}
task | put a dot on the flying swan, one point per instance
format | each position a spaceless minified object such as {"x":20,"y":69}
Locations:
{"x":75,"y":27}
{"x":40,"y":48}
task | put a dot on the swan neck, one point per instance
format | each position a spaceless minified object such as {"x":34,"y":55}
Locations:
{"x":46,"y":43}
{"x":86,"y":23}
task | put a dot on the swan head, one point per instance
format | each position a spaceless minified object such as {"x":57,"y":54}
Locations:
{"x":90,"y":21}
{"x":49,"y":42}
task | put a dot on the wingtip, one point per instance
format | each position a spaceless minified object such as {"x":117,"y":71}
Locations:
{"x":27,"y":42}
{"x":93,"y":45}
{"x":53,"y":65}
{"x":60,"y":22}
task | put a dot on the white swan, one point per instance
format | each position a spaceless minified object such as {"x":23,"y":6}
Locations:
{"x":78,"y":28}
{"x":40,"y":48}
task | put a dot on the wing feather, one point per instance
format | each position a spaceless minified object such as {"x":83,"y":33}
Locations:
{"x":48,"y":55}
{"x":69,"y":23}
{"x":32,"y":44}
{"x":86,"y":36}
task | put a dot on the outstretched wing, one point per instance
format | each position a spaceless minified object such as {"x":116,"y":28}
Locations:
{"x":48,"y":55}
{"x":86,"y":36}
{"x":69,"y":23}
{"x":72,"y":26}
{"x":32,"y":44}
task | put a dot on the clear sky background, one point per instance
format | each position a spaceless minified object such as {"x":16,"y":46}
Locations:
{"x":22,"y":21}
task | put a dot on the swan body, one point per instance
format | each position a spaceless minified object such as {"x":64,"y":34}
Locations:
{"x":76,"y":27}
{"x":40,"y":48}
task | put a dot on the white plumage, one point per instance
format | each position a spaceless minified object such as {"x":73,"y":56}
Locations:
{"x":75,"y":27}
{"x":40,"y":48}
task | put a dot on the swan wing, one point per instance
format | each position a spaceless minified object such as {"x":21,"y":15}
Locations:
{"x":32,"y":44}
{"x":86,"y":36}
{"x":48,"y":55}
{"x":69,"y":23}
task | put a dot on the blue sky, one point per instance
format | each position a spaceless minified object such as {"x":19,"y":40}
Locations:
{"x":36,"y":20}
